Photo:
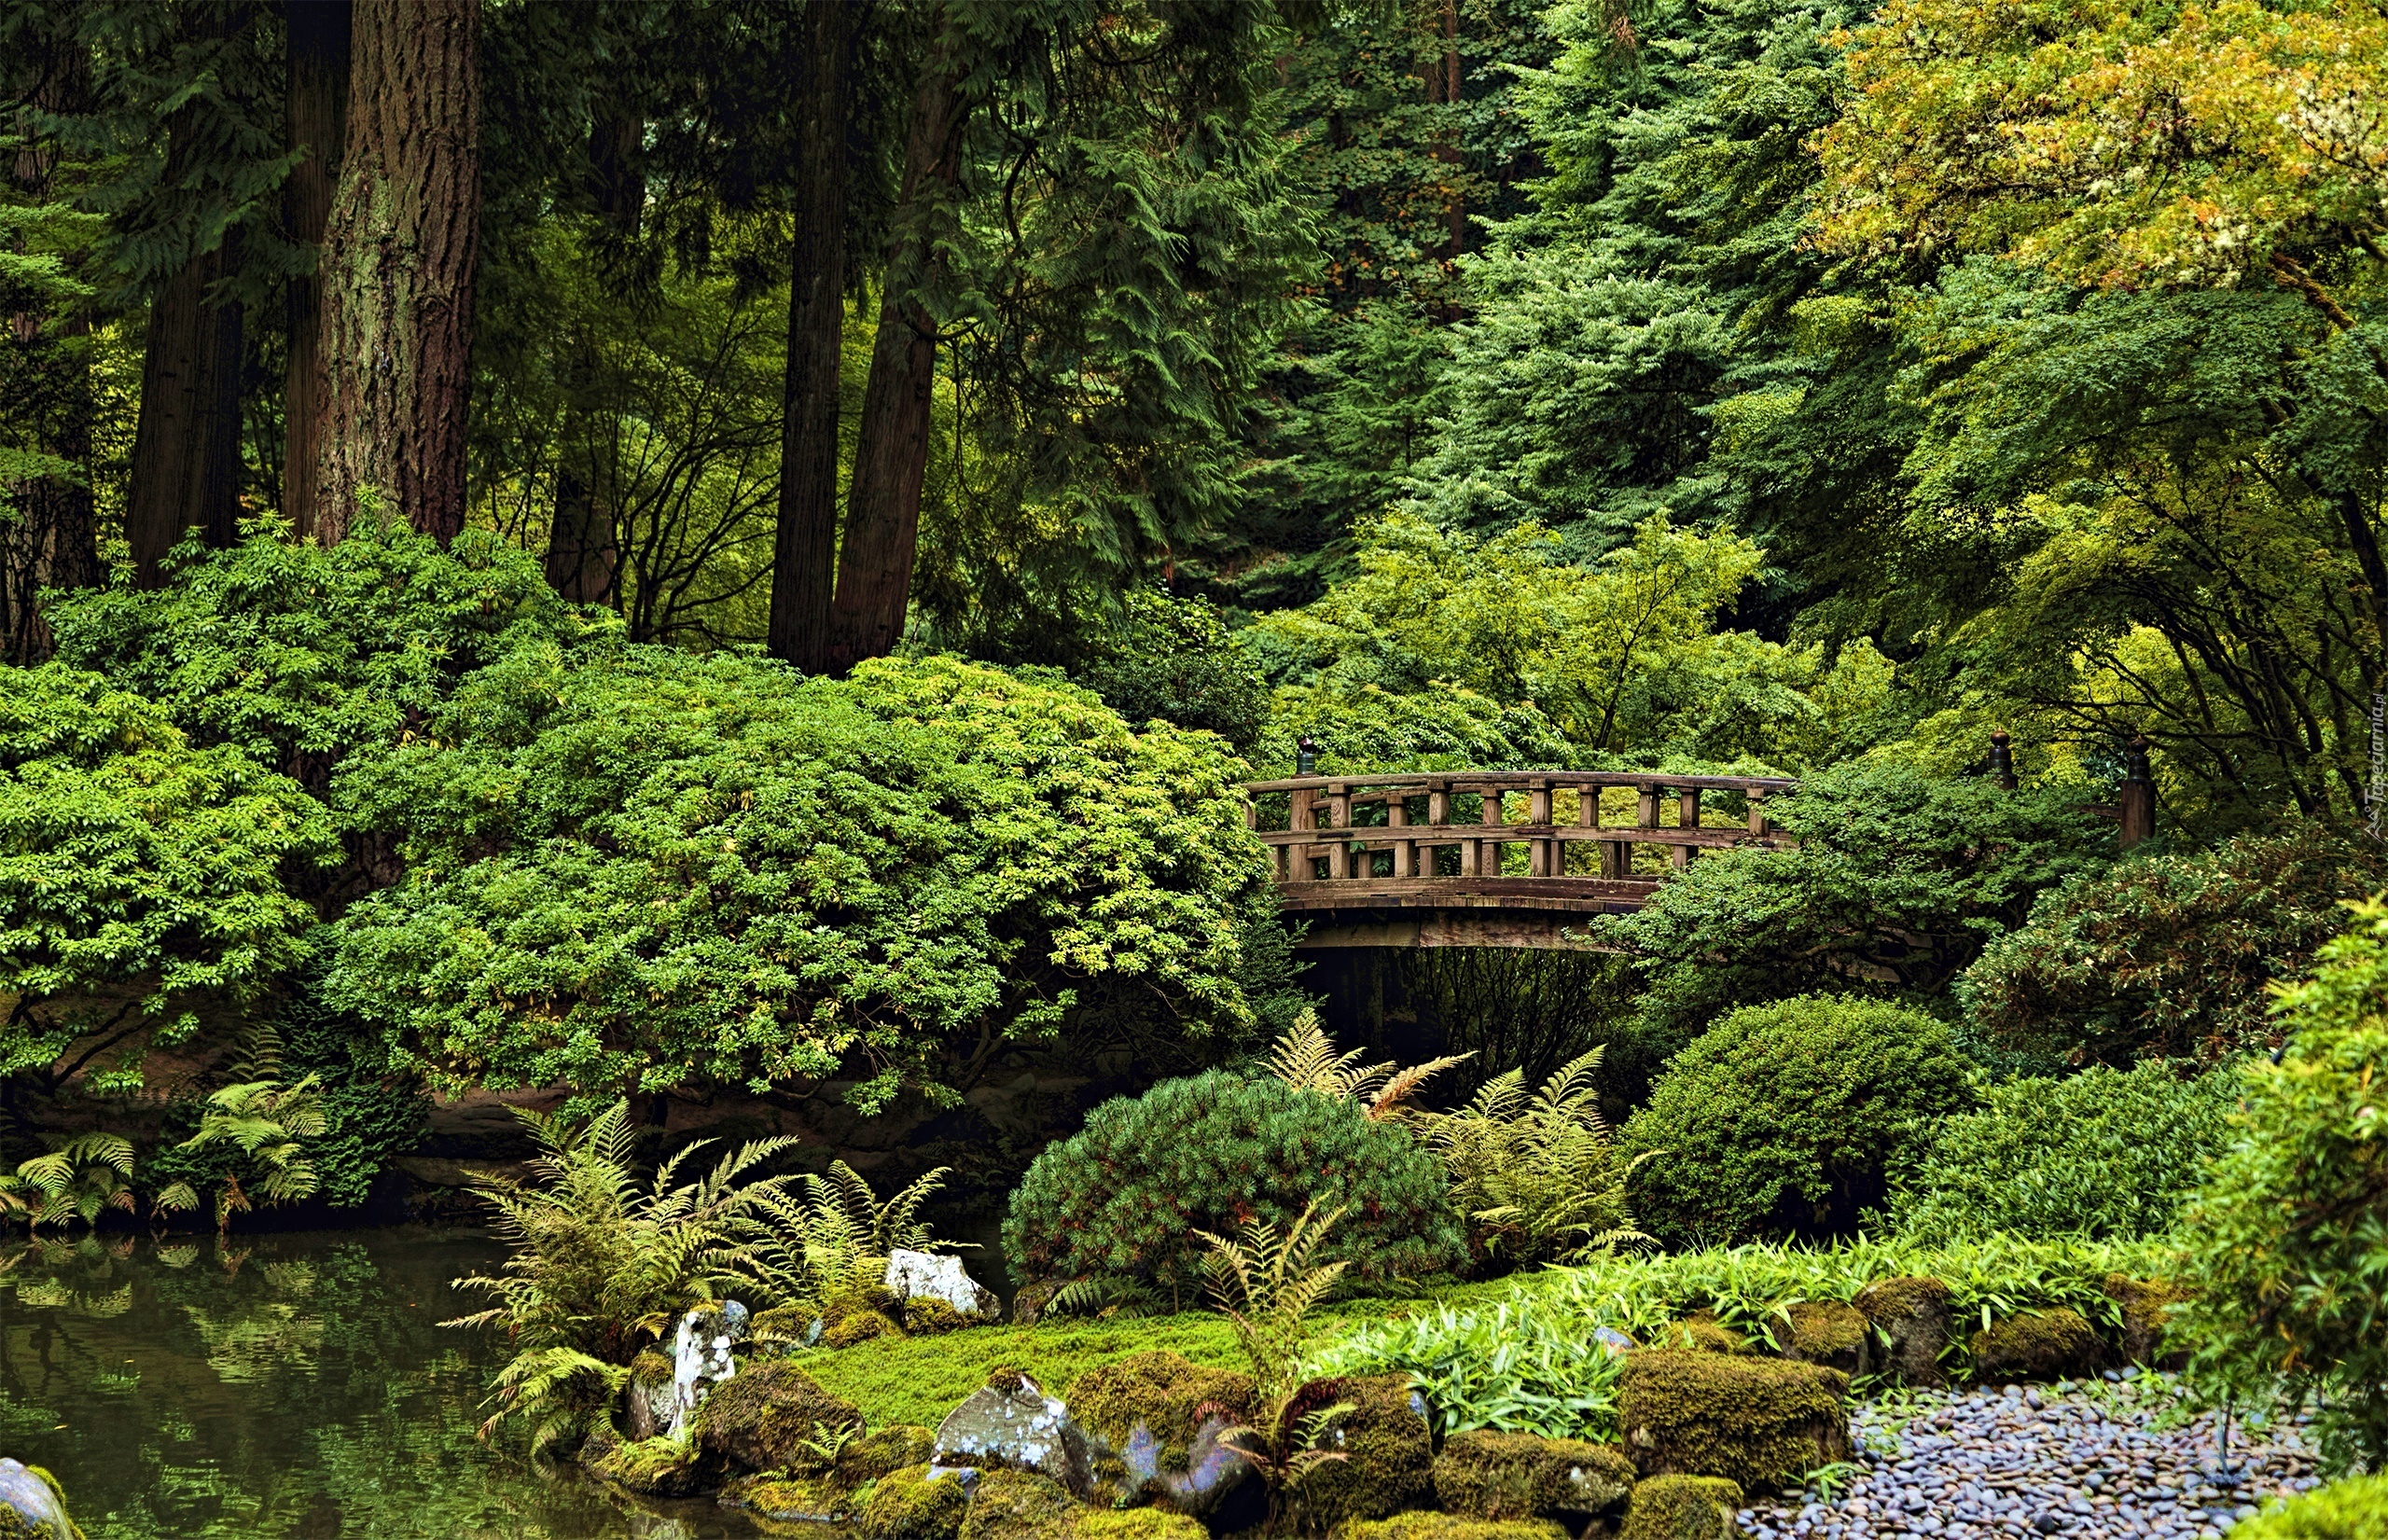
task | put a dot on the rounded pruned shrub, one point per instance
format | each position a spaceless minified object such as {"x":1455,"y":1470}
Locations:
{"x":2356,"y":1508}
{"x":1124,"y":1197}
{"x":1783,"y":1119}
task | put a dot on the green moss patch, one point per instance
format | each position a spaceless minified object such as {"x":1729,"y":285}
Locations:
{"x":1388,"y":1450}
{"x":905,"y":1504}
{"x":1487,"y":1474}
{"x":1165,"y":1392}
{"x":1682,"y":1507}
{"x":1018,"y":1504}
{"x":1449,"y":1526}
{"x":1756,"y":1421}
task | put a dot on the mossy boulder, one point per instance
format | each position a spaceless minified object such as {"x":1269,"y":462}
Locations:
{"x":653,"y":1467}
{"x":2147,"y":1303}
{"x":1388,"y":1450}
{"x":1136,"y":1524}
{"x":1756,"y":1421}
{"x":784,"y":1326}
{"x":763,"y":1417}
{"x":1449,"y":1526}
{"x":862,"y":1325}
{"x":1018,"y":1505}
{"x":1682,"y":1507}
{"x":793,"y":1499}
{"x":2049,"y":1344}
{"x":884,"y":1453}
{"x":1702,"y":1332}
{"x":1914,"y":1313}
{"x":646,"y":1400}
{"x":1828,"y":1332}
{"x":927,"y":1317}
{"x":32,"y":1505}
{"x":914,"y":1504}
{"x":1488,"y":1474}
{"x":1159,"y":1427}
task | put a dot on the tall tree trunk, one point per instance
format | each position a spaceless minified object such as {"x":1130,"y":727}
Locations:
{"x":582,"y":554}
{"x":805,"y":552}
{"x":318,"y":54}
{"x":53,"y":542}
{"x":398,"y":270}
{"x":891,"y":451}
{"x":1450,"y":153}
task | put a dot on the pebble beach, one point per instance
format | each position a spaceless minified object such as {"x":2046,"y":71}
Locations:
{"x":2104,"y":1460}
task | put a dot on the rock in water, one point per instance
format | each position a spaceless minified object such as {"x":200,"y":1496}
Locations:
{"x":1010,"y":1421}
{"x":31,"y":1506}
{"x":701,"y":1356}
{"x":923,"y":1275}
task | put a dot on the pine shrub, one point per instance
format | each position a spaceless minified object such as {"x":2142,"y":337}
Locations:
{"x":1214,"y":1152}
{"x":1784,"y":1119}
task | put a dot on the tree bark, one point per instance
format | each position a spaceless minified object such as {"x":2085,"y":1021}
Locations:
{"x":317,"y":56}
{"x":583,"y":556}
{"x":54,"y":542}
{"x":397,"y":270}
{"x":805,"y":550}
{"x":890,"y":454}
{"x":187,"y":443}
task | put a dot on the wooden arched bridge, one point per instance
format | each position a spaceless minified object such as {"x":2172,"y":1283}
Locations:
{"x":1491,"y":858}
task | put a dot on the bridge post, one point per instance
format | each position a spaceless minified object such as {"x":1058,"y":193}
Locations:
{"x":1339,"y":812}
{"x":1397,"y":816}
{"x":1687,"y":817}
{"x":1439,"y":815}
{"x":1538,"y":858}
{"x":1489,"y":863}
{"x":1298,"y":856}
{"x":1647,"y":816}
{"x":2137,"y":793}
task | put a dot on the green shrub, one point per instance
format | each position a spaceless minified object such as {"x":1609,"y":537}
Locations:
{"x":1783,"y":1119}
{"x":1897,"y":878}
{"x":2098,"y":1153}
{"x":634,"y":867}
{"x":1174,"y":659}
{"x":1212,"y":1152}
{"x":2170,"y":955}
{"x":2353,"y":1509}
{"x":2288,"y":1242}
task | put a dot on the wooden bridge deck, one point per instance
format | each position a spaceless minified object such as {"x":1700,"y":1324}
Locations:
{"x":1422,"y":860}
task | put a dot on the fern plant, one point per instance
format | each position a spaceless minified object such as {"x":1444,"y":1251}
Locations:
{"x":1265,"y":1283}
{"x":1536,"y":1175}
{"x":77,"y":1179}
{"x":270,"y":1124}
{"x":827,"y":1244}
{"x":601,"y":1265}
{"x":1305,"y":1059}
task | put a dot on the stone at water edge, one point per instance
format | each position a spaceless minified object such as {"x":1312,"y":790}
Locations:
{"x":30,"y":1504}
{"x":1010,"y":1421}
{"x":1167,"y":1422}
{"x":926,"y":1275}
{"x":701,"y":1357}
{"x":1488,"y":1474}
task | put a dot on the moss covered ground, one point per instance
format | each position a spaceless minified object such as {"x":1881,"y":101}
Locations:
{"x":920,"y":1379}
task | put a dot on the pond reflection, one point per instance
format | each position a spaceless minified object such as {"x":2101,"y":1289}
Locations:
{"x":293,"y":1387}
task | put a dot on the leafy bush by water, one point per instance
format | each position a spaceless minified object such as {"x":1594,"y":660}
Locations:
{"x":1783,"y":1119}
{"x":2100,"y":1153}
{"x":2288,"y":1242}
{"x":1125,"y":1197}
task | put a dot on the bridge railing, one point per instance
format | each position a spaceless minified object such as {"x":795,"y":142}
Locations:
{"x":1325,"y":828}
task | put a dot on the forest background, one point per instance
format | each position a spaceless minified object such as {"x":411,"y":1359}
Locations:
{"x":646,"y":545}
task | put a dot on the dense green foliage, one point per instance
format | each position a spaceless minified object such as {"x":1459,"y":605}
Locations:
{"x":2098,"y":1153}
{"x":2343,"y":1510}
{"x":144,"y":875}
{"x":2287,"y":1242}
{"x":1896,"y":883}
{"x":1784,"y":1119}
{"x":2170,"y":955}
{"x":635,"y":867}
{"x":1124,"y":1197}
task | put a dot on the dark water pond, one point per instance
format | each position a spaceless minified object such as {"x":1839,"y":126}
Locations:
{"x":290,"y":1387}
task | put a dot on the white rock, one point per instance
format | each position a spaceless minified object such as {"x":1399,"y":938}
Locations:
{"x":923,"y":1275}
